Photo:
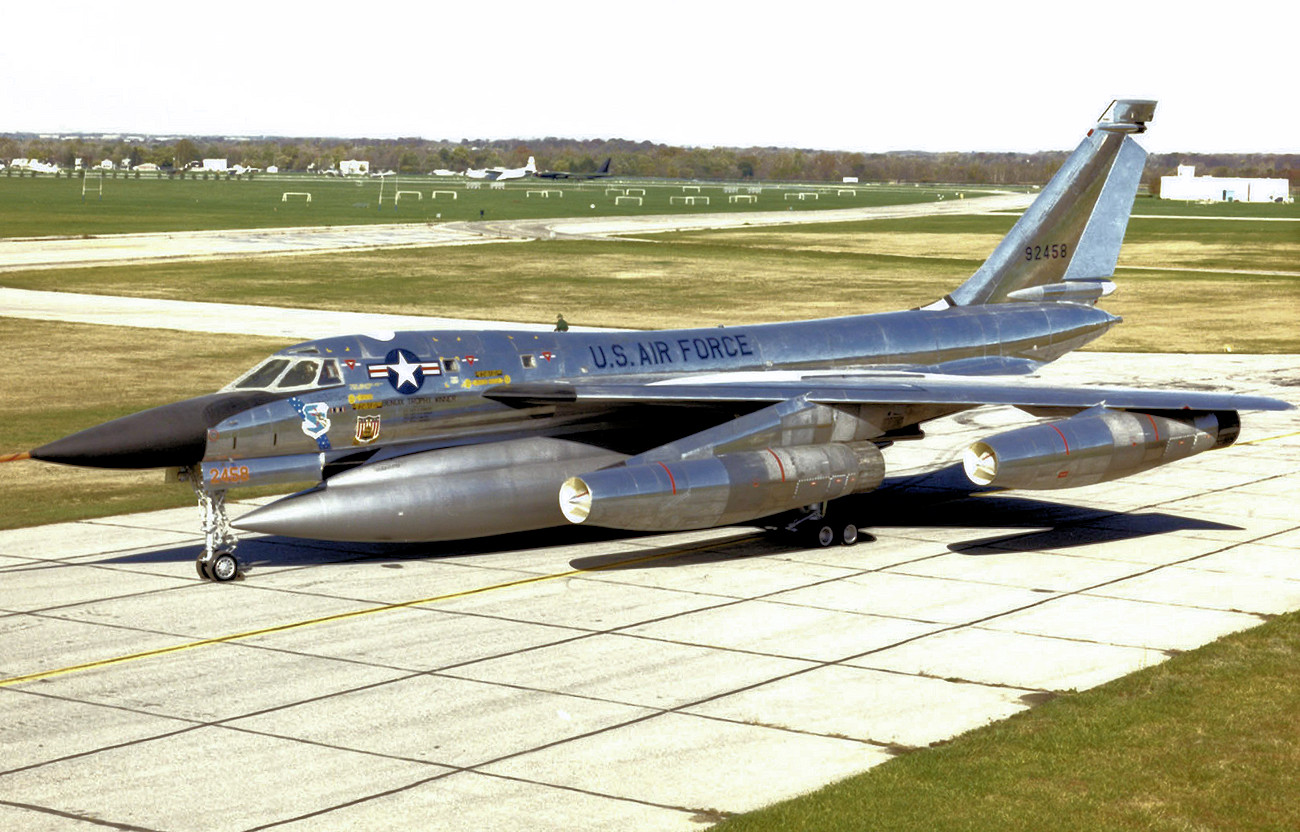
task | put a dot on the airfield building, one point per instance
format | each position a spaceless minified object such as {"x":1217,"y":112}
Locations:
{"x":1187,"y":185}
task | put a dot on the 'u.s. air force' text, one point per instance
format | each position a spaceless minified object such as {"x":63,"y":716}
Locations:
{"x":679,"y":351}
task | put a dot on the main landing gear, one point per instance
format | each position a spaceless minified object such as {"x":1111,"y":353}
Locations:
{"x":217,"y":560}
{"x":815,"y":529}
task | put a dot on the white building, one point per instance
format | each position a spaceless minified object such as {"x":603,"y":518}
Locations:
{"x":1187,"y":185}
{"x":218,"y":165}
{"x":353,"y":167}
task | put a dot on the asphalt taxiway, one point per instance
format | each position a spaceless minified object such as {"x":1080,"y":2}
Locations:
{"x":581,"y":680}
{"x":116,"y":249}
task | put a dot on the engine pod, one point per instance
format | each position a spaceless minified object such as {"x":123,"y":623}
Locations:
{"x":1094,"y":446}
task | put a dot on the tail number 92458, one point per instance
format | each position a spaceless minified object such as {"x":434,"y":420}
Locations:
{"x":1055,"y":251}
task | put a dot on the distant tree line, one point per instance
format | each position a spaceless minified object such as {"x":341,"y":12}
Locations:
{"x":641,"y":159}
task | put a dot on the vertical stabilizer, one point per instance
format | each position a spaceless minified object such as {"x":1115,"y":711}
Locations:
{"x":1074,"y":229}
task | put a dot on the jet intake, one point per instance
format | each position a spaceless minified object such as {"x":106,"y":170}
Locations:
{"x":719,"y":490}
{"x":1095,"y":446}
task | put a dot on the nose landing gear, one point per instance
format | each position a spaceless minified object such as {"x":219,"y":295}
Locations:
{"x":217,"y":560}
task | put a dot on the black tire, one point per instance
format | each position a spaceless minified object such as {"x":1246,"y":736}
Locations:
{"x":821,"y":535}
{"x":849,"y":534}
{"x":201,"y":566}
{"x":224,"y":567}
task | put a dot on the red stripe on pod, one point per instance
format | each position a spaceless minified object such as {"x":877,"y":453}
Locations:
{"x":1063,"y":439}
{"x":1154,"y":426}
{"x":671,"y":480}
{"x":778,"y":463}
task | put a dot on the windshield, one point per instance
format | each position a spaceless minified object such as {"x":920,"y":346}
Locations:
{"x":281,"y":374}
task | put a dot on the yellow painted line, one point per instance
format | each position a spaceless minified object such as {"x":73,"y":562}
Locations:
{"x":343,"y":616}
{"x":1270,"y":438}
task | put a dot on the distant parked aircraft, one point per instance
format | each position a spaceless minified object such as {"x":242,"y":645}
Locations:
{"x":501,"y":174}
{"x":602,"y":171}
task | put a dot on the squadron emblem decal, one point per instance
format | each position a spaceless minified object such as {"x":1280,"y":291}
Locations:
{"x":315,"y":420}
{"x":367,"y":429}
{"x":404,"y":370}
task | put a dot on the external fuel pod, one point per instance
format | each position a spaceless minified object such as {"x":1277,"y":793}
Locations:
{"x":719,"y":490}
{"x":446,"y":494}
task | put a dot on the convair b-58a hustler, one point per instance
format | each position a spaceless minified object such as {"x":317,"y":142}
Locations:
{"x":442,"y":435}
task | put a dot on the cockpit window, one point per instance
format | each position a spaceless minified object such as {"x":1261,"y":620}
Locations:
{"x":263,"y":376}
{"x":329,"y":375}
{"x":280,"y":373}
{"x":300,"y":374}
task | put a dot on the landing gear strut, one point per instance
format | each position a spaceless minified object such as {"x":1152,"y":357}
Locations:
{"x":814,"y":529}
{"x":217,"y":560}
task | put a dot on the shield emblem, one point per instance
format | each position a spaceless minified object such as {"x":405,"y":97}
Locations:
{"x":367,"y":428}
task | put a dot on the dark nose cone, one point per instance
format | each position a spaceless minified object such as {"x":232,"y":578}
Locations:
{"x":171,"y":435}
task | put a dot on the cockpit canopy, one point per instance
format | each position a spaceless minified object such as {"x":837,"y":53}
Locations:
{"x":281,"y":373}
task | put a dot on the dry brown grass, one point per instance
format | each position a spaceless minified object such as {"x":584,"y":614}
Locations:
{"x":65,"y":377}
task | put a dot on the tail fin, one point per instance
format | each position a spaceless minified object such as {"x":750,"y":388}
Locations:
{"x":605,"y":167}
{"x":531,"y":167}
{"x":1073,"y":230}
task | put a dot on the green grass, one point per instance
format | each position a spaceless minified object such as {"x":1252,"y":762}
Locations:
{"x":1172,"y":207}
{"x":1209,"y":740}
{"x":50,"y":206}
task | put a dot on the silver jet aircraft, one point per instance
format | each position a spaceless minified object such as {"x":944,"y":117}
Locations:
{"x":441,"y":435}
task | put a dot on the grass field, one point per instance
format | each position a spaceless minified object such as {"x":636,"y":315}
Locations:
{"x":1178,"y":286}
{"x":49,"y":206}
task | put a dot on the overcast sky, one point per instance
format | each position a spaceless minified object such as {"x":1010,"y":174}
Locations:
{"x":990,"y":75}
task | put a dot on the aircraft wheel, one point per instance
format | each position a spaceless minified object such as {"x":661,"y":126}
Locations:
{"x":201,"y":566}
{"x":224,"y":567}
{"x":822,"y":535}
{"x":849,"y":534}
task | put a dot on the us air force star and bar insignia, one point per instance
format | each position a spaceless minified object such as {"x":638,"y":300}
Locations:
{"x":404,"y":370}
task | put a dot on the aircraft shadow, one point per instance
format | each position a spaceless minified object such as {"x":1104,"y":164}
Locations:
{"x":278,"y":551}
{"x":946,"y":499}
{"x":940,"y":499}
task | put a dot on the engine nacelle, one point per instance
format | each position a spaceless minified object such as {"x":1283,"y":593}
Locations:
{"x":1095,"y":446}
{"x":720,"y":490}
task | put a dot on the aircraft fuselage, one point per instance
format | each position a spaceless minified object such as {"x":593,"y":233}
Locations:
{"x":429,"y":387}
